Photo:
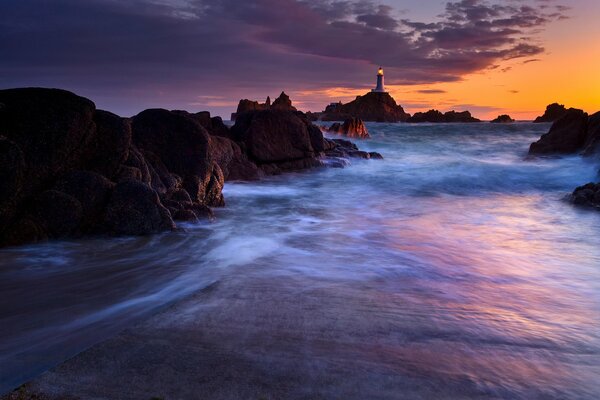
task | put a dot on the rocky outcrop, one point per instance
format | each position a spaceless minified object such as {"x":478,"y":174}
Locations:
{"x":553,"y":113}
{"x":503,"y":119}
{"x":69,"y":170}
{"x":587,"y":195}
{"x":352,"y":128}
{"x":436,"y":116}
{"x":592,"y":139}
{"x":277,"y":140}
{"x":373,"y":106}
{"x":567,"y":135}
{"x":282,"y":103}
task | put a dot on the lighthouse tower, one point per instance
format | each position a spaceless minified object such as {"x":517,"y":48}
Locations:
{"x":379,"y":88}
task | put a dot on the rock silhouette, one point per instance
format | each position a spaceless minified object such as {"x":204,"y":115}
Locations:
{"x":69,"y":170}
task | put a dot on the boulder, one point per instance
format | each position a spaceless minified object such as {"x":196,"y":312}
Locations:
{"x":352,"y":127}
{"x":587,"y":195}
{"x":274,"y":137}
{"x":12,"y":175}
{"x":135,"y":209}
{"x":553,"y":113}
{"x":51,"y":127}
{"x":233,"y":162}
{"x":503,"y":119}
{"x":92,"y":191}
{"x":56,"y":213}
{"x":109,"y":148}
{"x":181,"y":143}
{"x":567,"y":135}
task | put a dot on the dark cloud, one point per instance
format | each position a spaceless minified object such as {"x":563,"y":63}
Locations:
{"x":431,"y":91}
{"x":176,"y":53}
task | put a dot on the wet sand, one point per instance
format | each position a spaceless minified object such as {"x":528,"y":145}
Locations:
{"x":253,"y":338}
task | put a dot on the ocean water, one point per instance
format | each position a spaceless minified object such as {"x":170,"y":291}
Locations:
{"x":454,"y":266}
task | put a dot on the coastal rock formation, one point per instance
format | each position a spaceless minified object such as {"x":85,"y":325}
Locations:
{"x":69,"y":170}
{"x":282,"y":103}
{"x":503,"y":119}
{"x":373,"y":106}
{"x":592,"y":141}
{"x":567,"y":135}
{"x":437,"y":117}
{"x":352,"y":127}
{"x":553,"y":113}
{"x":587,"y":195}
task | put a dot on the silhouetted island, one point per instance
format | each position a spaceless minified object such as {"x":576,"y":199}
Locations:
{"x":503,"y":119}
{"x":373,"y":107}
{"x":70,"y":170}
{"x":282,"y":103}
{"x":437,"y":117}
{"x":553,"y":112}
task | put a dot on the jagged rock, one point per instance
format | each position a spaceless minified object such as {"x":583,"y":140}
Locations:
{"x":352,"y":127}
{"x":213,"y":125}
{"x":567,"y":135}
{"x":373,"y":106}
{"x":282,"y":103}
{"x":135,"y":209}
{"x":553,"y":113}
{"x":436,"y":116}
{"x":503,"y":119}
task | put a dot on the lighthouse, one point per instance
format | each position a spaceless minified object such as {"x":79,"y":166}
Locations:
{"x":379,"y":88}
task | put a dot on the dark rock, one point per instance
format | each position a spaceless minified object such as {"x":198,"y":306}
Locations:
{"x":109,"y":148}
{"x":345,"y":144}
{"x":181,"y":195}
{"x":214,"y":126}
{"x":283,"y":102}
{"x":233,"y":162}
{"x":359,"y":154}
{"x":135,"y":162}
{"x":503,"y":119}
{"x":213,"y":193}
{"x":56,"y":213}
{"x":436,"y":116}
{"x":592,"y":140}
{"x":274,"y":137}
{"x":92,"y":191}
{"x":185,"y":215}
{"x":375,"y":155}
{"x":51,"y":127}
{"x":587,"y":195}
{"x":181,"y":143}
{"x":567,"y":135}
{"x":373,"y":106}
{"x":12,"y":174}
{"x":352,"y":127}
{"x":135,"y":209}
{"x":553,"y":113}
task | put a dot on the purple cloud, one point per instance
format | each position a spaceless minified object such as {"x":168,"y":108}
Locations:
{"x":178,"y":53}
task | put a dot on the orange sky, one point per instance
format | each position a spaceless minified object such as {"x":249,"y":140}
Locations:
{"x":568,"y":73}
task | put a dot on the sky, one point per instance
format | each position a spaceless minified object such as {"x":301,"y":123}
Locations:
{"x":487,"y":56}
